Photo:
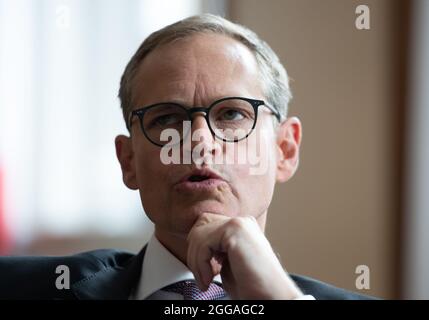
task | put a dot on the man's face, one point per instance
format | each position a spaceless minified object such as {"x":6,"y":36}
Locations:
{"x":196,"y":71}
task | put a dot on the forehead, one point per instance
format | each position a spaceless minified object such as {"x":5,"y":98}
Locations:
{"x":196,"y":69}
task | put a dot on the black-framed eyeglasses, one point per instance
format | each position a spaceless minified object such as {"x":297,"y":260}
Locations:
{"x":230,"y":119}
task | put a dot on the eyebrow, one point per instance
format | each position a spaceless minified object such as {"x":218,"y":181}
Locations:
{"x":174,"y":99}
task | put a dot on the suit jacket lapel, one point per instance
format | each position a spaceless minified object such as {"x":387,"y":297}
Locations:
{"x":115,"y":282}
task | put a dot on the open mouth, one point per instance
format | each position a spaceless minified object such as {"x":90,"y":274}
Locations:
{"x":201,"y":175}
{"x":198,"y":178}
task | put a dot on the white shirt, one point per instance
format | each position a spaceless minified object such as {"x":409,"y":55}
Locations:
{"x":161,"y":268}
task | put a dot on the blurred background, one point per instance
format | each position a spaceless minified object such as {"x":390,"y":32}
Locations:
{"x":360,"y":196}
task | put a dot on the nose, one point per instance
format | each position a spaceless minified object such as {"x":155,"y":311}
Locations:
{"x":203,"y":143}
{"x":200,"y":124}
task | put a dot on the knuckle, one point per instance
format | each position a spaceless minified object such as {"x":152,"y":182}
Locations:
{"x":203,"y":219}
{"x":236,"y":223}
{"x":242,"y":222}
{"x":205,"y":216}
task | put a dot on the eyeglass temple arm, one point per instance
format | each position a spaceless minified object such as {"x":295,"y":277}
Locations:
{"x":273,"y":110}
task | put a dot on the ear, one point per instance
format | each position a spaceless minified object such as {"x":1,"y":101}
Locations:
{"x":125,"y":155}
{"x":288,"y":142}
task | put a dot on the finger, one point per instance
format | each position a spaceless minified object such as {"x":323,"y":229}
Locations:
{"x":203,"y":241}
{"x":207,"y":255}
{"x":208,"y":267}
{"x":191,"y":260}
{"x":228,"y":281}
{"x":204,"y":266}
{"x":194,"y":243}
{"x":216,"y":262}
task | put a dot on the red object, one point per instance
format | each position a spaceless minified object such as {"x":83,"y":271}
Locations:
{"x":4,"y":235}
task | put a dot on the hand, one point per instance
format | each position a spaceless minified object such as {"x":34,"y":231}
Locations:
{"x":238,"y":250}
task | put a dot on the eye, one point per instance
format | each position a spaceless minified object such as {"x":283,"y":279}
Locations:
{"x":231,"y":115}
{"x":167,"y":120}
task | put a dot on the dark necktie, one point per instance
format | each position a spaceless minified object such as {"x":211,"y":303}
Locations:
{"x":190,"y":291}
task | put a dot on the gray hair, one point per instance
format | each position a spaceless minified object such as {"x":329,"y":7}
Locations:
{"x":274,"y":78}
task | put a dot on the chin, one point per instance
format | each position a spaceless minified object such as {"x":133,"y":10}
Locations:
{"x":211,"y":207}
{"x":190,"y":214}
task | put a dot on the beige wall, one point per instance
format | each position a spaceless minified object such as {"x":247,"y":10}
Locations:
{"x":339,"y":211}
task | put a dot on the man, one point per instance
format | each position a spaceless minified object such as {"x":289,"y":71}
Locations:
{"x":205,"y":102}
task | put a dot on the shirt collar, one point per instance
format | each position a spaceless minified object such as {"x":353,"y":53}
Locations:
{"x":161,"y":268}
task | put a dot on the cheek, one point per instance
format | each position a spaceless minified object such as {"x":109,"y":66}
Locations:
{"x":150,"y":171}
{"x":255,"y":156}
{"x":152,"y":183}
{"x":255,"y":177}
{"x":255,"y":190}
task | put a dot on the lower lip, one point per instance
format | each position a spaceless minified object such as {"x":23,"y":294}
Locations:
{"x":205,"y":185}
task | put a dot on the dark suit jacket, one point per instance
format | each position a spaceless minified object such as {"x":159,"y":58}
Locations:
{"x":103,"y":274}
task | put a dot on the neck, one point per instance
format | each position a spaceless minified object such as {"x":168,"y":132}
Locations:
{"x":177,"y":244}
